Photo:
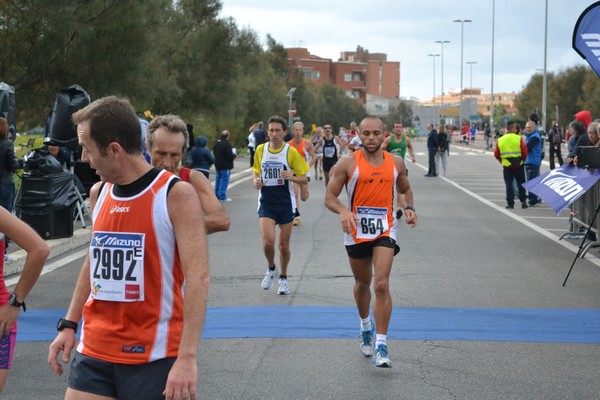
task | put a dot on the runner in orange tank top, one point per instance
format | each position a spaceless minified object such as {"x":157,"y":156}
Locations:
{"x":373,"y":179}
{"x":140,"y":331}
{"x":305,"y":148}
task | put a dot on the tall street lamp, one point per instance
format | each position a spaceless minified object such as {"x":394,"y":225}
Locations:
{"x":471,"y":64}
{"x":442,"y":43}
{"x":462,"y":34}
{"x":433,"y":56}
{"x":291,"y":110}
{"x":545,"y":82}
{"x":493,"y":33}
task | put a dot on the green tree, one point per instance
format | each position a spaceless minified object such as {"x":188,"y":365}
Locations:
{"x":400,"y":113}
{"x":591,"y":93}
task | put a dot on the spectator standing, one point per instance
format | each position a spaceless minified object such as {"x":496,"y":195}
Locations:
{"x":252,"y":144}
{"x":473,"y":132}
{"x":511,"y":151}
{"x":432,"y":148}
{"x":202,"y":158}
{"x":488,"y":136}
{"x":224,"y":156}
{"x":578,"y":138}
{"x":8,"y":166}
{"x":555,"y":140}
{"x":464,"y":131}
{"x":441,"y":157}
{"x":260,"y":136}
{"x":592,"y":138}
{"x":584,"y":116}
{"x":533,"y":141}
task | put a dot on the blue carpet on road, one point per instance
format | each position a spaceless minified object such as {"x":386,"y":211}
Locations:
{"x":315,"y":322}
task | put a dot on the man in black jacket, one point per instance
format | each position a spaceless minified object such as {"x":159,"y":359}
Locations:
{"x":224,"y":156}
{"x":432,"y":147}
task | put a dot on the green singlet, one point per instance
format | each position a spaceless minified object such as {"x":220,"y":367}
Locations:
{"x":397,"y":148}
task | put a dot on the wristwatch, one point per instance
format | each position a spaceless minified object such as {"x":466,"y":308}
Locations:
{"x":12,"y":300}
{"x":410,"y":208}
{"x":65,"y":323}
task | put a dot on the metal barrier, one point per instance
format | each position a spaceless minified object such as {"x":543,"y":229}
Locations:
{"x":585,"y":207}
{"x":582,"y":213}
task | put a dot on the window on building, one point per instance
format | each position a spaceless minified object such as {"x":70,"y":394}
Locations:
{"x":347,"y":77}
{"x":357,"y":77}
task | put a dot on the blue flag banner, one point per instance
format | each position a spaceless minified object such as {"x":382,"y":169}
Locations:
{"x":586,"y":36}
{"x":561,"y":187}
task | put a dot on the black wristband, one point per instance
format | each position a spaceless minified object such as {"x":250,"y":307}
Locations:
{"x":65,"y":323}
{"x":12,"y":300}
{"x":410,"y":208}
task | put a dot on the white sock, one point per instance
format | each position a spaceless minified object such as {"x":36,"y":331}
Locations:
{"x":380,"y":339}
{"x":365,"y":324}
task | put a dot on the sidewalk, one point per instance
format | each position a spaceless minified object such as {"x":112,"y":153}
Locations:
{"x":81,"y":236}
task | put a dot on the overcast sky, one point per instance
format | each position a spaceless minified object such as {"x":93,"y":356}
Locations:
{"x":406,"y":31}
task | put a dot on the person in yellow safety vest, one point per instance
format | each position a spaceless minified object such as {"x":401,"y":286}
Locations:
{"x":511,"y":151}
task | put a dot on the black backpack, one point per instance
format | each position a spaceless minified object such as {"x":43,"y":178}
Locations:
{"x":556,"y":135}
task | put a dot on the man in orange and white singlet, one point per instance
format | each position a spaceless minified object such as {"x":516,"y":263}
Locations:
{"x":166,"y":143}
{"x":373,"y":180}
{"x":307,"y":152}
{"x":140,"y":332}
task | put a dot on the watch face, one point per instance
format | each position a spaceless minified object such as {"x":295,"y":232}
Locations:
{"x":12,"y":300}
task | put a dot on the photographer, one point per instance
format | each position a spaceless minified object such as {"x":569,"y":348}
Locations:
{"x":8,"y":165}
{"x":555,"y":140}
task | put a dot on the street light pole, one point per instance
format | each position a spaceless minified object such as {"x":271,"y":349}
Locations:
{"x":545,"y":84}
{"x":433,"y":56}
{"x":493,"y":32}
{"x":290,"y":109}
{"x":471,"y":64}
{"x":462,"y":35}
{"x":442,"y":106}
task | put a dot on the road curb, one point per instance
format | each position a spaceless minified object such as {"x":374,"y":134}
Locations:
{"x":80,"y":238}
{"x":58,"y":247}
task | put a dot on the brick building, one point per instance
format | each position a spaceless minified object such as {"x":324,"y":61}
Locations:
{"x":362,"y":75}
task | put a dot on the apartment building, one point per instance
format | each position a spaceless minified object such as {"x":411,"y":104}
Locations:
{"x":360,"y":74}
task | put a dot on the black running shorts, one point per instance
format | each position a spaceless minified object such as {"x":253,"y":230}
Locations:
{"x":121,"y":381}
{"x":365,"y":249}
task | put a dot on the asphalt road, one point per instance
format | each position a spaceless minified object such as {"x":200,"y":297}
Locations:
{"x":466,"y":252}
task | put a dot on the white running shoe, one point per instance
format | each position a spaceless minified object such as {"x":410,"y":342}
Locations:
{"x":283,"y":287}
{"x":366,"y":341}
{"x":270,"y":276}
{"x":380,"y":357}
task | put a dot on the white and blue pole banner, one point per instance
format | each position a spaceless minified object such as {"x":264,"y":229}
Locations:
{"x":586,"y":36}
{"x":561,"y":187}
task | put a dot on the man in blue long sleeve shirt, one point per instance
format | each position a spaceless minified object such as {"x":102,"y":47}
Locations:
{"x":532,"y":164}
